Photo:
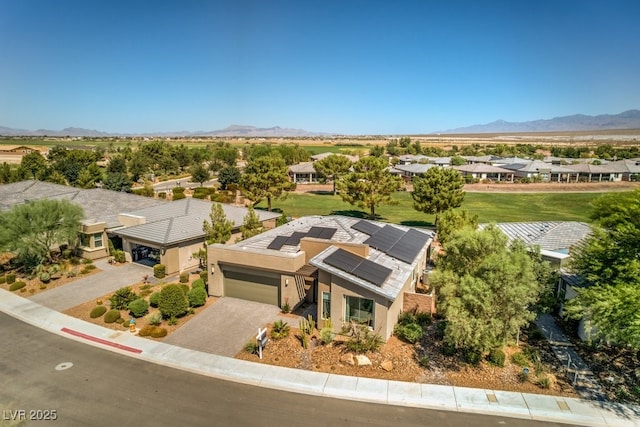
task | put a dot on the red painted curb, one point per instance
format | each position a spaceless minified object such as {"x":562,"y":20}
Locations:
{"x":101,"y":341}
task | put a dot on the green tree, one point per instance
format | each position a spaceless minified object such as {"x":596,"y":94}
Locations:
{"x":251,"y":224}
{"x":117,"y":181}
{"x":199,"y":173}
{"x":117,"y":164}
{"x":229,"y":175}
{"x":266,"y":177}
{"x":85,"y":180}
{"x":333,"y":167}
{"x":369,"y":185}
{"x":376,"y":151}
{"x":452,"y":221}
{"x":458,"y":161}
{"x":609,"y":263}
{"x":34,"y":163}
{"x":486,"y":289}
{"x":218,"y":229}
{"x":437,"y":190}
{"x":30,"y":230}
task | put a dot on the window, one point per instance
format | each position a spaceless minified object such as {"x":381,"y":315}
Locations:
{"x":326,"y":305}
{"x":84,"y":240}
{"x":97,"y":240}
{"x":359,"y":310}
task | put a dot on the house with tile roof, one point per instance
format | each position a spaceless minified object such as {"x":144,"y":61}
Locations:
{"x":354,"y":270}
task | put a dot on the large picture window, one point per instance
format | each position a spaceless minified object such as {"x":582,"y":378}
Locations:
{"x":84,"y":240}
{"x":326,"y":305}
{"x":359,"y":310}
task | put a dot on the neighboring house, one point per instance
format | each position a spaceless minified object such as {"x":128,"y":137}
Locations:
{"x":546,"y":172}
{"x":595,"y":173}
{"x":324,"y":155}
{"x":14,"y":153}
{"x":485,"y":171}
{"x":354,"y":270}
{"x":149,"y":230}
{"x":407,"y":159}
{"x":410,"y":170}
{"x":303,"y":173}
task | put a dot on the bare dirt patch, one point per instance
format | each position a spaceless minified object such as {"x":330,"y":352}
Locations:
{"x":423,"y":362}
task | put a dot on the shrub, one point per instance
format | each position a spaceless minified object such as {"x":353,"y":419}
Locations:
{"x":204,"y":276}
{"x":280,"y":330}
{"x":423,"y":318}
{"x":424,"y":361}
{"x":119,"y":256}
{"x":74,"y":260}
{"x":159,"y":271}
{"x":363,"y":340}
{"x":172,"y":321}
{"x":327,"y":335}
{"x":497,"y":357}
{"x":119,"y":320}
{"x":145,"y":331}
{"x":473,"y":357}
{"x":89,"y":267}
{"x":98,"y":311}
{"x":11,"y":278}
{"x":67,"y":253}
{"x":122,"y":297}
{"x":85,"y":270}
{"x":184,"y":288}
{"x":154,"y":319}
{"x":154,"y":298}
{"x":87,"y":261}
{"x":111,"y":316}
{"x":197,"y":297}
{"x":172,"y":302}
{"x":520,"y":359}
{"x":411,"y":332}
{"x":44,"y":277}
{"x":198,"y":283}
{"x":449,"y":350}
{"x":184,"y":277}
{"x":138,"y":307}
{"x":158,"y":332}
{"x":286,"y":308}
{"x":3,"y":279}
{"x":251,"y":347}
{"x":17,"y":285}
{"x":71,"y":273}
{"x":544,"y":382}
{"x":406,"y":318}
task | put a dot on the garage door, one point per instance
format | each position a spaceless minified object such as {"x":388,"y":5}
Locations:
{"x":252,"y":287}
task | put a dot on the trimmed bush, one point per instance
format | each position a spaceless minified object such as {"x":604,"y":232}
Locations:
{"x":184,"y":288}
{"x":111,"y":316}
{"x":154,"y":298}
{"x":145,"y":331}
{"x":411,"y":332}
{"x":197,"y":297}
{"x":473,"y":357}
{"x":204,"y":276}
{"x":520,"y":359}
{"x":198,"y":283}
{"x":158,"y":332}
{"x":98,"y":311}
{"x":159,"y":271}
{"x":406,"y":318}
{"x":120,"y":321}
{"x":3,"y":279}
{"x":172,"y":302}
{"x":17,"y":285}
{"x":89,"y":267}
{"x":119,"y":256}
{"x":497,"y":357}
{"x":11,"y":278}
{"x":138,"y":307}
{"x":122,"y":297}
{"x":184,"y":277}
{"x":423,"y":318}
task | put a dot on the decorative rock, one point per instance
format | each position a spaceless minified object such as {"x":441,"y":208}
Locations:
{"x":363,"y":360}
{"x":348,"y":359}
{"x":387,"y":365}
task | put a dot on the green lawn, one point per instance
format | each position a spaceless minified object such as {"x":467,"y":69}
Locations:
{"x":490,"y":207}
{"x":342,"y":149}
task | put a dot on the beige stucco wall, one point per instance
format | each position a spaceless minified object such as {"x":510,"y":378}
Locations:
{"x":93,"y":251}
{"x":129,"y":220}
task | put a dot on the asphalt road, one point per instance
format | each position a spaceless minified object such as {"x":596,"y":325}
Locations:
{"x":101,"y":388}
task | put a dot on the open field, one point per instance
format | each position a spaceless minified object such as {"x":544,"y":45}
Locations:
{"x":490,"y":207}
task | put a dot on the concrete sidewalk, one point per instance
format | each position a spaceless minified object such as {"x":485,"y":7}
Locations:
{"x":489,"y":402}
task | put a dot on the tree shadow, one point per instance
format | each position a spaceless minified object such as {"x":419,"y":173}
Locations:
{"x":418,"y":223}
{"x":355,"y":214}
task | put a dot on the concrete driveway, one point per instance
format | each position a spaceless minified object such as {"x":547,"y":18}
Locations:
{"x":225,"y":327}
{"x":87,"y":288}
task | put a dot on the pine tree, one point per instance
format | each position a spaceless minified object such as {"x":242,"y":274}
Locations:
{"x":218,"y":229}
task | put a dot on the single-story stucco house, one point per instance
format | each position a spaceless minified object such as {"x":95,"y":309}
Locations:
{"x":353,"y":269}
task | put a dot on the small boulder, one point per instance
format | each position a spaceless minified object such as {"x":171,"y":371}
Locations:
{"x":348,"y":359}
{"x":387,"y":365}
{"x":363,"y":360}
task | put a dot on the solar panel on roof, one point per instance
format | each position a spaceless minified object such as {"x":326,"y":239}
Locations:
{"x":327,"y":232}
{"x":385,"y":238}
{"x":409,"y":246}
{"x":277,"y":242}
{"x":343,"y":260}
{"x":365,"y":227}
{"x":372,"y":272}
{"x":314,"y":232}
{"x":294,"y":240}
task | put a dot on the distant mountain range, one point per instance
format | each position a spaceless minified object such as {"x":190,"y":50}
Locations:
{"x":233,"y":130}
{"x":578,"y":122}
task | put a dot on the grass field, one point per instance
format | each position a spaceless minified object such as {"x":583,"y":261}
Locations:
{"x":490,"y":207}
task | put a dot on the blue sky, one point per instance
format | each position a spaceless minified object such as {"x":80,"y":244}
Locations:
{"x":352,"y":67}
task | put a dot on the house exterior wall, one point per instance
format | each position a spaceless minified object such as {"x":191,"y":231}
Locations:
{"x":94,"y":249}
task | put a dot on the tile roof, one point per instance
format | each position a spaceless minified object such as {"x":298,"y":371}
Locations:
{"x":557,"y":236}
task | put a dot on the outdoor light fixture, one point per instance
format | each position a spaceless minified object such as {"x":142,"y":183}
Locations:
{"x":286,"y":282}
{"x":213,"y":269}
